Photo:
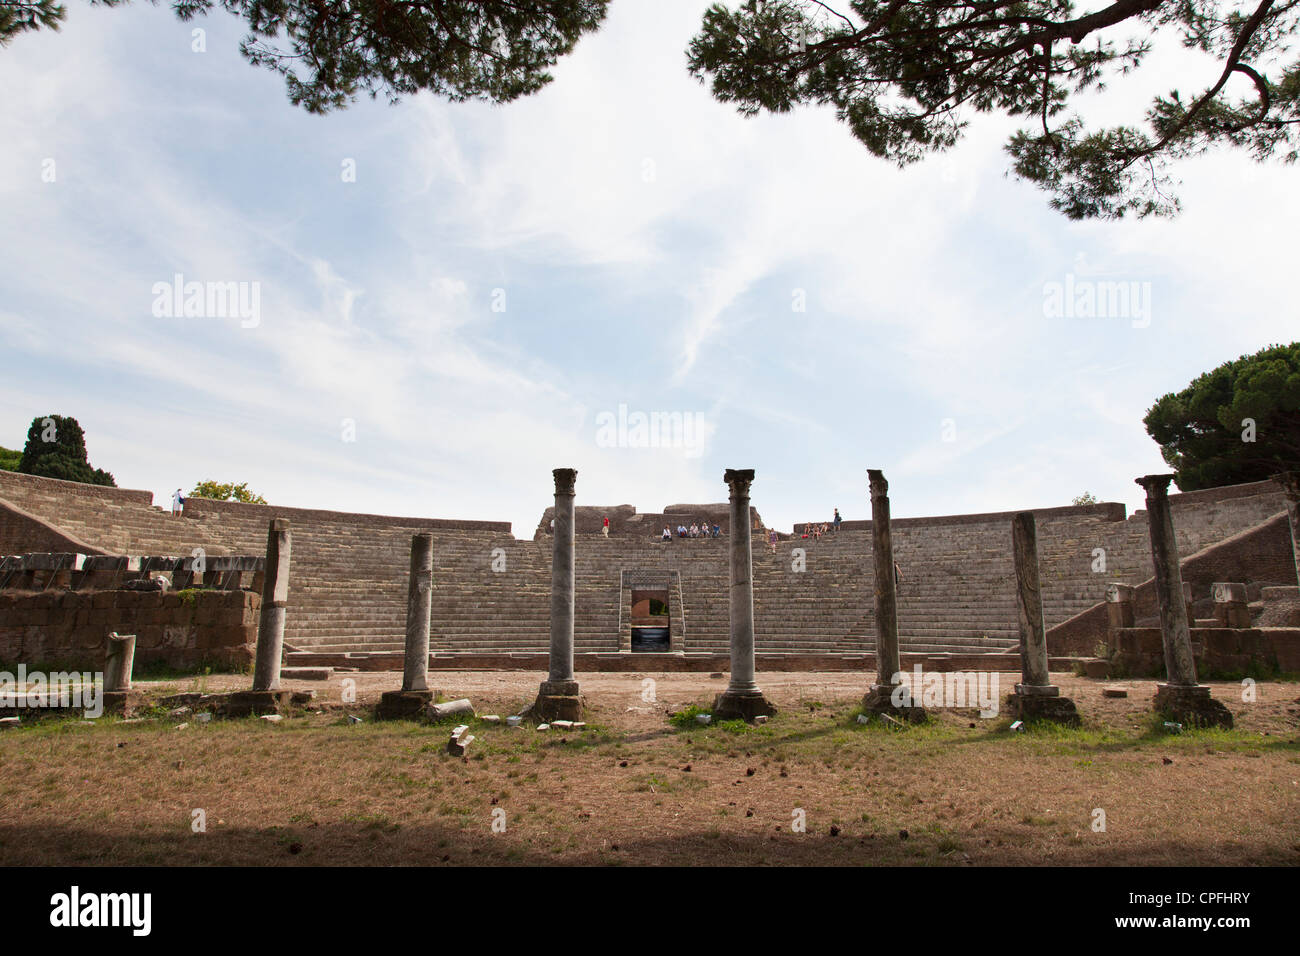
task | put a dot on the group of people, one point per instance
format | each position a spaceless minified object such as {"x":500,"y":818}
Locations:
{"x":697,"y":529}
{"x":814,"y":530}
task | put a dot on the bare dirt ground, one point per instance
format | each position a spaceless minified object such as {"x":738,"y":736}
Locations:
{"x":633,"y":789}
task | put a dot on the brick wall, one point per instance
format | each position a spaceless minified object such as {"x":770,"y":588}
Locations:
{"x":180,"y":629}
{"x":23,"y":533}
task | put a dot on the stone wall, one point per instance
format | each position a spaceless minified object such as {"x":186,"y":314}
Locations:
{"x":182,"y":629}
{"x":1257,"y":557}
{"x":21,"y":532}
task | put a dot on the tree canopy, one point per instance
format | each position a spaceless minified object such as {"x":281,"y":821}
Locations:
{"x":905,"y":76}
{"x":329,"y":53}
{"x":56,"y":448}
{"x":1239,"y":422}
{"x":9,"y":459}
{"x":227,"y":491}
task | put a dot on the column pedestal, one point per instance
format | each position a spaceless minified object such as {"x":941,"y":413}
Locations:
{"x":1191,"y":705}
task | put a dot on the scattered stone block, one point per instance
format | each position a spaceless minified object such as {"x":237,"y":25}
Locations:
{"x":271,"y":718}
{"x":514,"y":721}
{"x":562,"y":724}
{"x":490,"y":719}
{"x":1098,"y":668}
{"x":1114,"y":692}
{"x":353,"y":719}
{"x":863,"y":719}
{"x":457,"y":745}
{"x":8,"y":722}
{"x":306,"y":673}
{"x":180,"y":712}
{"x":704,"y":719}
{"x":181,"y":726}
{"x":761,"y":719}
{"x":543,"y":727}
{"x":439,"y":711}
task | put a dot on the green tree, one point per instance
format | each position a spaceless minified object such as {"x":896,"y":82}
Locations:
{"x":1239,"y":422}
{"x":328,"y":53}
{"x":56,"y":448}
{"x":9,"y":459}
{"x":905,"y":77}
{"x":227,"y":491}
{"x":1087,"y":498}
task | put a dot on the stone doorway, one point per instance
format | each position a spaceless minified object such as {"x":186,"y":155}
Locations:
{"x":650,"y":612}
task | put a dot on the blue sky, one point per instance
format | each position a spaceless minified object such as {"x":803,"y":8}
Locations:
{"x":498,"y":277}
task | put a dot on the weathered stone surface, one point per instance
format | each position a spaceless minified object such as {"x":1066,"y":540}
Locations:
{"x":403,"y":704}
{"x":419,"y":607}
{"x":1115,"y":692}
{"x":748,"y":707}
{"x":306,"y":673}
{"x":1191,"y":706}
{"x":880,"y":700}
{"x":886,"y":589}
{"x":450,"y":708}
{"x":1174,"y":628}
{"x":1049,"y":707}
{"x":250,"y":703}
{"x":551,"y":707}
{"x":275,"y":597}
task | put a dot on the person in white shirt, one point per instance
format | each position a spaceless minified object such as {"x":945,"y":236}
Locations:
{"x":178,"y":502}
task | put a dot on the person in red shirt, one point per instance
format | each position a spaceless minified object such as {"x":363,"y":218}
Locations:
{"x":604,"y":526}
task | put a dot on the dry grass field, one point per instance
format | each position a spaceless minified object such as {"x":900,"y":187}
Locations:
{"x":633,"y":789}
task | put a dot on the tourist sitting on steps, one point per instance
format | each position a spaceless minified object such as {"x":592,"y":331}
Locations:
{"x":668,"y":533}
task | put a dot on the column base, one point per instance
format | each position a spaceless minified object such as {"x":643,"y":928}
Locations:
{"x":403,"y":704}
{"x":556,"y":700}
{"x":742,"y":705}
{"x":251,"y":703}
{"x":1191,"y":704}
{"x":880,"y":700}
{"x":124,"y":702}
{"x":1042,"y":702}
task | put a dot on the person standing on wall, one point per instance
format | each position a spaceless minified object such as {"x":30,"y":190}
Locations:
{"x":837,"y":519}
{"x":604,"y":526}
{"x":178,"y":503}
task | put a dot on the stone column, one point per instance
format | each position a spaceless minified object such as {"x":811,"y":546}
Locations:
{"x":1290,"y":482}
{"x":742,"y":698}
{"x":1035,"y":697}
{"x":888,"y":659}
{"x":415,"y":694}
{"x":557,"y":698}
{"x":275,"y":596}
{"x":119,"y":658}
{"x":1181,"y":696}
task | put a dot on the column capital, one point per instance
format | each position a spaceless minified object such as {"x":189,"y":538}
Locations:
{"x":566,"y":480}
{"x":1290,"y":482}
{"x":1156,"y":486}
{"x":876,"y":480}
{"x":739,"y":479}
